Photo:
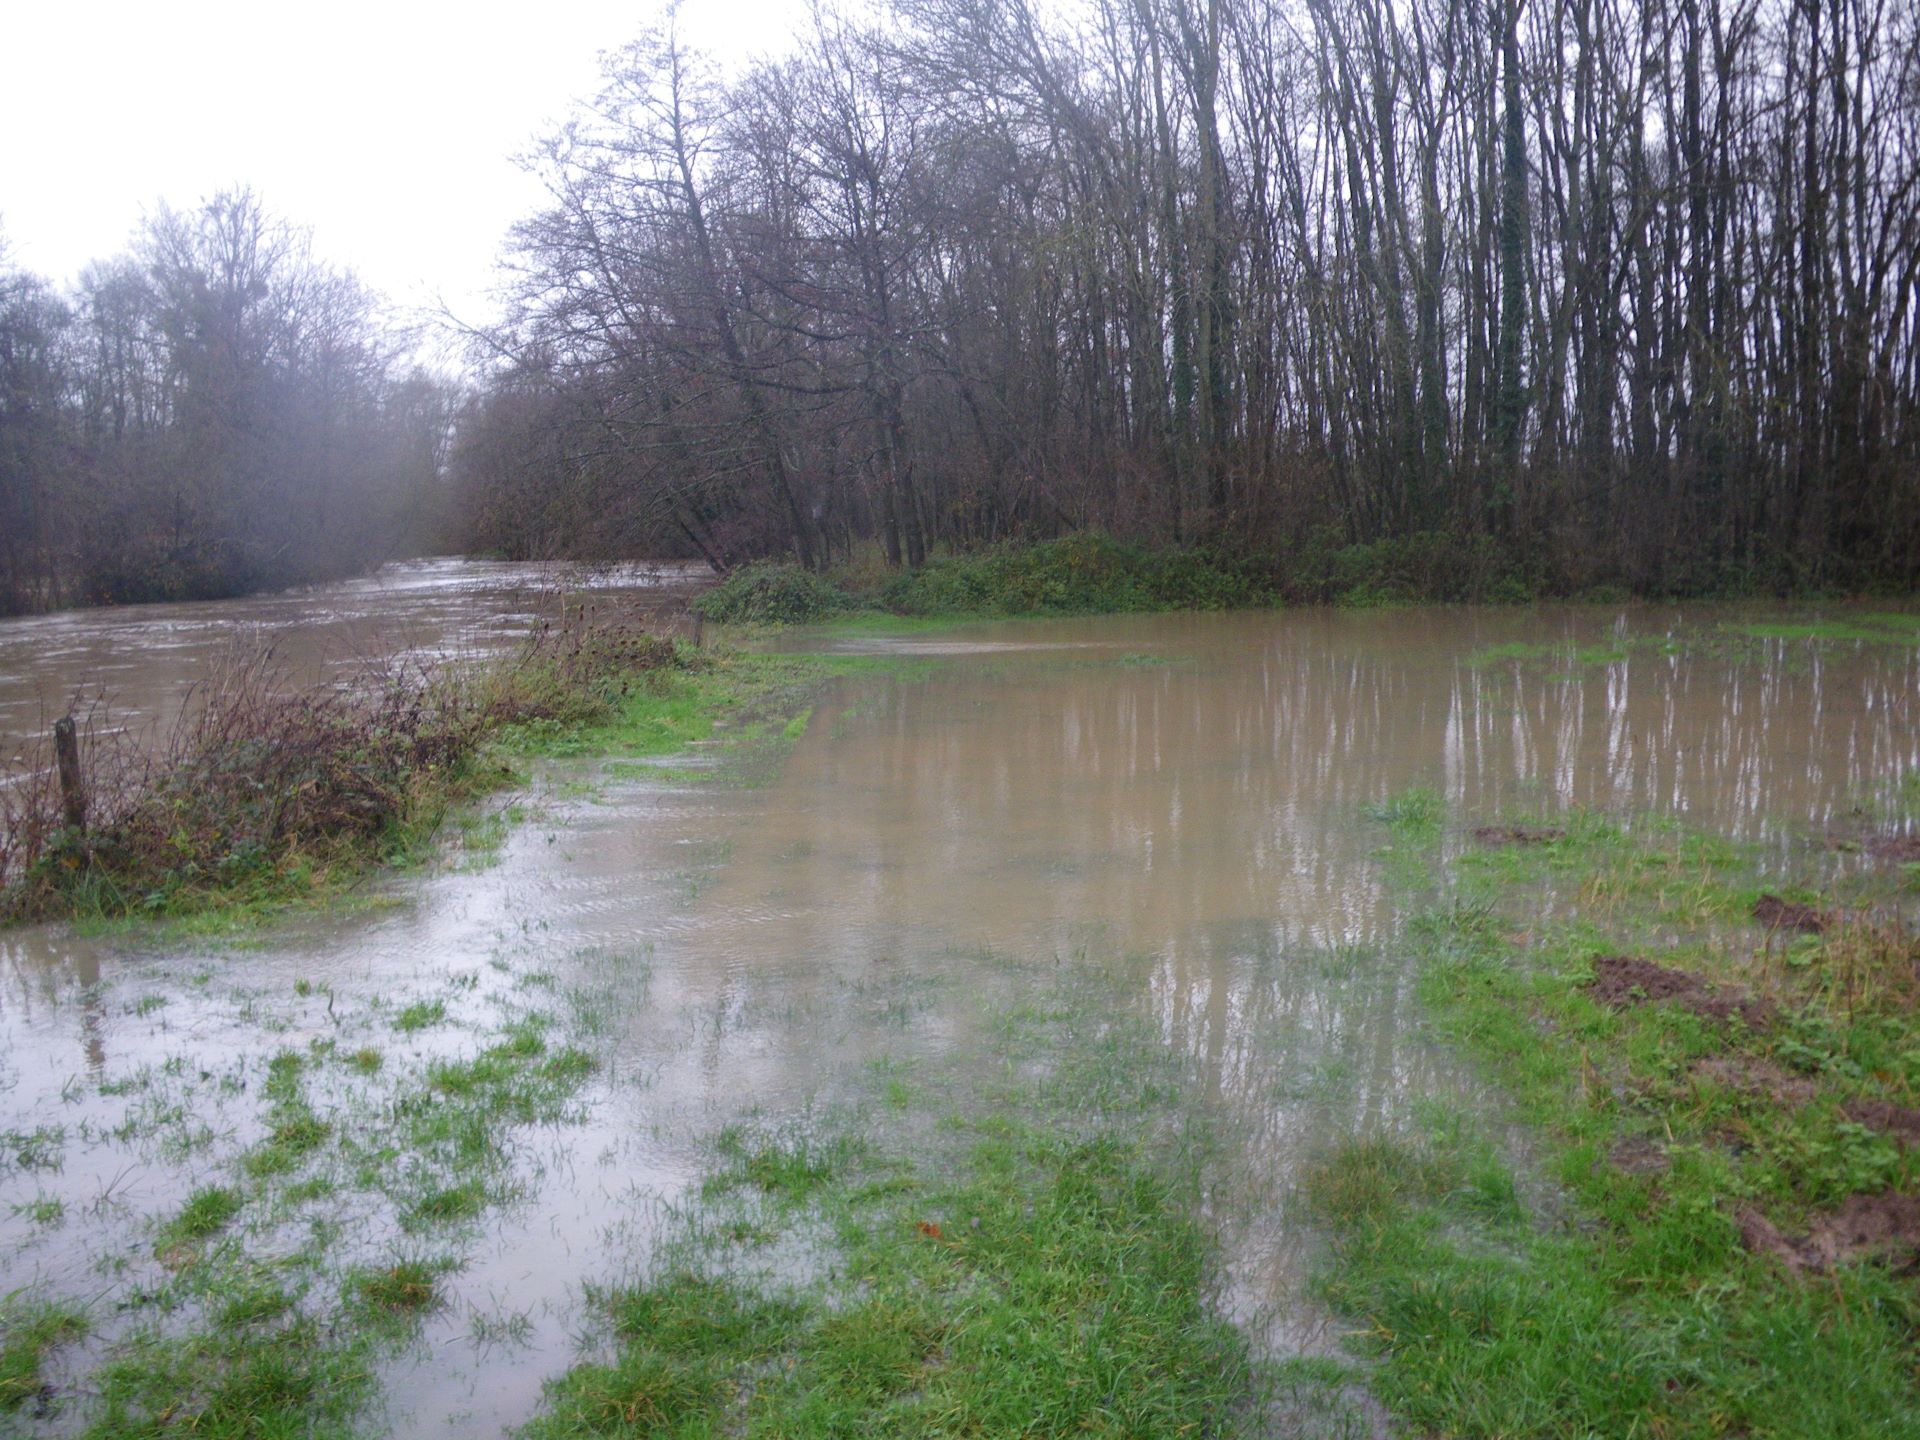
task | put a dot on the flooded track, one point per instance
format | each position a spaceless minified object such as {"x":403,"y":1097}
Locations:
{"x":1177,"y":800}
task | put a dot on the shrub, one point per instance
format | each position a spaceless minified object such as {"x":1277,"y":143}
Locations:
{"x":1075,"y":575}
{"x":772,"y":594}
{"x":1427,"y":565}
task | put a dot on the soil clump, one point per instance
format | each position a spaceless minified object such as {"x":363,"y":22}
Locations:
{"x":1519,"y":834}
{"x":1777,"y":914}
{"x":1862,"y":1227}
{"x":1620,"y":981}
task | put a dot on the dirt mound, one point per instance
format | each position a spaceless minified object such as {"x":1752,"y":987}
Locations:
{"x":1746,"y":1075}
{"x":1863,"y":1227}
{"x":1620,"y":981}
{"x":1777,"y":914}
{"x":1518,"y":834}
{"x":1898,"y":1122}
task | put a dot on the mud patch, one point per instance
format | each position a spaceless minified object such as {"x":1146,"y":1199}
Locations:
{"x":1899,"y":1123}
{"x":1621,"y":981}
{"x":1761,"y":1079}
{"x":1888,"y":849}
{"x":1863,"y":1227}
{"x":1777,"y":914}
{"x":1639,"y":1156}
{"x":1519,"y":834}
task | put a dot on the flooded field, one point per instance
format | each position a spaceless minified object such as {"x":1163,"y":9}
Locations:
{"x":895,"y":911}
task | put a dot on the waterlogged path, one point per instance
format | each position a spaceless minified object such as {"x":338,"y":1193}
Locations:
{"x":1175,"y":803}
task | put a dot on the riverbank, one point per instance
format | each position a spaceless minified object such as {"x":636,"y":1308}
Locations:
{"x":269,"y":794}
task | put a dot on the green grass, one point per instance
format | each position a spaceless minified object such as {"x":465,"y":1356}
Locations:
{"x":1636,"y":1308}
{"x":446,"y":1204}
{"x":1014,"y":1244}
{"x":1050,"y":1287}
{"x":237,"y":1382}
{"x":28,"y":1332}
{"x":406,"y":1287}
{"x":206,"y":1213}
{"x":420,"y":1015}
{"x":791,"y":1166}
{"x":1414,"y":812}
{"x":1870,"y":628}
{"x":43,"y":1210}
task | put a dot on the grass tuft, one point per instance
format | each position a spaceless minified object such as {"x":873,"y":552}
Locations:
{"x":28,"y":1332}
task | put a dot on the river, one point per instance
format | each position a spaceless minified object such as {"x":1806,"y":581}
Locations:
{"x":1182,"y":798}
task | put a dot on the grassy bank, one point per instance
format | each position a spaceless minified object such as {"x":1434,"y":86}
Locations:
{"x":1721,"y":1084}
{"x":1089,"y":573}
{"x":1094,"y":574}
{"x":270,"y":794}
{"x":1079,"y":575}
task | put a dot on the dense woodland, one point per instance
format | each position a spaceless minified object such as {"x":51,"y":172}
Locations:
{"x":1619,"y":291}
{"x":1626,"y":288}
{"x":212,"y":412}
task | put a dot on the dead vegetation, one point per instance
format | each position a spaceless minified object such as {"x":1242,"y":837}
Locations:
{"x":262,"y":777}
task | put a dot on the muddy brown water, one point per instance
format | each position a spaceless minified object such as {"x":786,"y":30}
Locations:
{"x":1179,"y":798}
{"x":138,"y":664}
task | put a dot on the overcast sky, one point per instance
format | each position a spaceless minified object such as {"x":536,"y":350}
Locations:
{"x":387,"y":128}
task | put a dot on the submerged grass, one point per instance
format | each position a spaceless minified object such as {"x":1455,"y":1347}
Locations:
{"x":1035,"y":1263}
{"x":28,"y":1333}
{"x":237,"y":1337}
{"x":1050,"y":1287}
{"x":1694,"y":1271}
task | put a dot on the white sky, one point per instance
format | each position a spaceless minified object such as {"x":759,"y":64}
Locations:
{"x":388,"y":129}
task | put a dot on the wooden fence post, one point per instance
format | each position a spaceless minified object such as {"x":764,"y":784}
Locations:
{"x":66,"y":750}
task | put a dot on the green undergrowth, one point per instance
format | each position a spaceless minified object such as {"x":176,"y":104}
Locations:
{"x":1078,"y":575}
{"x":1638,"y":1292}
{"x":1090,"y":573}
{"x":1010,"y":1244}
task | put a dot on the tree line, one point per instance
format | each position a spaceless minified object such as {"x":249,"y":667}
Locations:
{"x":212,"y":412}
{"x":1625,"y":286}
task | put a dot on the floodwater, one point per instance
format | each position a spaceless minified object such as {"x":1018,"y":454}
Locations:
{"x":141,"y":662}
{"x":1178,"y":799}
